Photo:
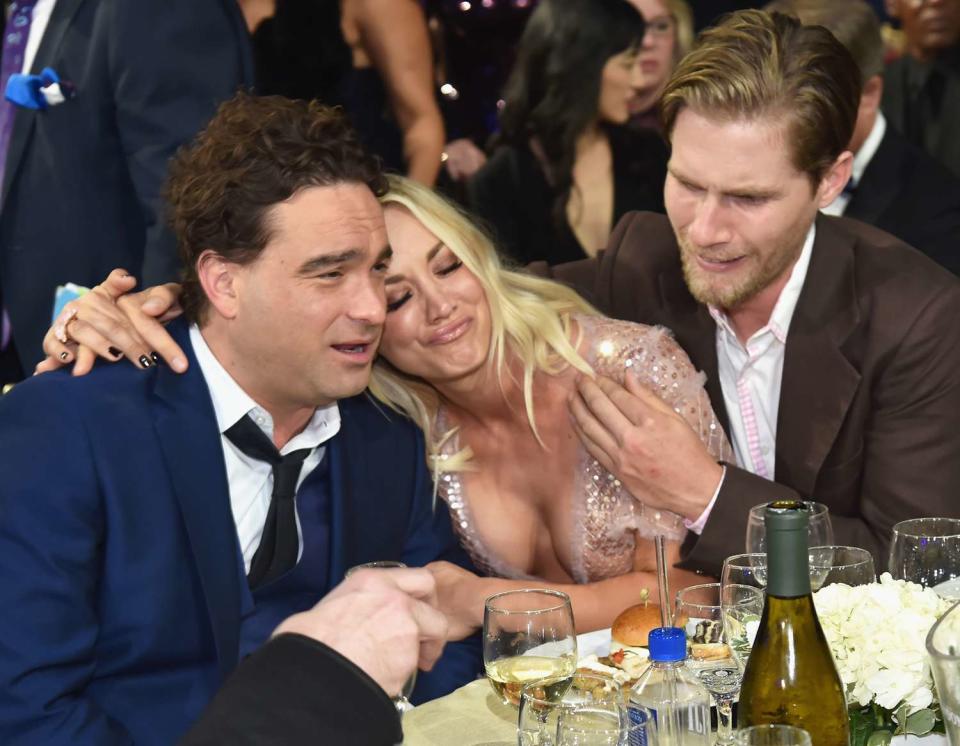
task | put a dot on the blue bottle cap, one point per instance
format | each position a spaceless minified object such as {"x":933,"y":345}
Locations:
{"x":667,"y":644}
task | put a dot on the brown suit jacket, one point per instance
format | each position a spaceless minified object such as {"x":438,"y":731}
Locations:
{"x":870,"y":395}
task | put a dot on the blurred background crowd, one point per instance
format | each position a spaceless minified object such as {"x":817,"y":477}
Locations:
{"x":540,"y":116}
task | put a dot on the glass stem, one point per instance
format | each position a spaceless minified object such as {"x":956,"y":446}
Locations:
{"x":724,"y":720}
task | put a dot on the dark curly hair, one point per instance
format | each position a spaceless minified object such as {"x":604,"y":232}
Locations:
{"x":255,"y":153}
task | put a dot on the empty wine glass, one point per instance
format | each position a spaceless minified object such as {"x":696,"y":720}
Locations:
{"x":543,"y":702}
{"x":773,"y":735}
{"x":605,"y":724}
{"x":927,"y":551}
{"x":819,"y":534}
{"x":402,"y":700}
{"x":943,"y":645}
{"x":702,"y":609}
{"x":849,"y":565}
{"x":528,"y":635}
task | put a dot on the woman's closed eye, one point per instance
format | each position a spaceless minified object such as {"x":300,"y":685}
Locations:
{"x":450,"y":268}
{"x":393,"y":305}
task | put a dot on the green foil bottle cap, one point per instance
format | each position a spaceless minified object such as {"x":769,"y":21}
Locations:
{"x":788,"y":564}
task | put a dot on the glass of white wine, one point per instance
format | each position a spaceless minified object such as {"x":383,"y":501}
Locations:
{"x":528,"y":635}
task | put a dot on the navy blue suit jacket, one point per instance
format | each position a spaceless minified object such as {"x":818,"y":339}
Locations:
{"x":120,"y":570}
{"x":81,"y":192}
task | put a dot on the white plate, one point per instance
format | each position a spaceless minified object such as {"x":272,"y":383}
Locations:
{"x":594,"y":643}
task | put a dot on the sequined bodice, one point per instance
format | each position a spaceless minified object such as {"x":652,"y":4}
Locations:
{"x":607,"y":520}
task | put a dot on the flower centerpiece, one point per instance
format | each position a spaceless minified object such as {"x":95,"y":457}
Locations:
{"x":877,"y":634}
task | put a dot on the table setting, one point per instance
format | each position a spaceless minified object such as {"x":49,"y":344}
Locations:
{"x":894,"y":639}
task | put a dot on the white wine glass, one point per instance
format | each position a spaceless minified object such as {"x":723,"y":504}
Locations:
{"x":701,"y":610}
{"x":927,"y":551}
{"x":402,"y":700}
{"x":543,"y":702}
{"x":528,"y":635}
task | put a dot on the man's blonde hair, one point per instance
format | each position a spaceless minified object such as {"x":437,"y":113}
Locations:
{"x":530,"y":320}
{"x":757,"y":65}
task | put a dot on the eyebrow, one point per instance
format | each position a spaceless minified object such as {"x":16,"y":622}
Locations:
{"x":746,"y":191}
{"x":325,"y":261}
{"x":394,"y":279}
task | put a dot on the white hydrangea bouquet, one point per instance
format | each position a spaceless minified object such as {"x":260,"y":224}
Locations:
{"x":877,"y":633}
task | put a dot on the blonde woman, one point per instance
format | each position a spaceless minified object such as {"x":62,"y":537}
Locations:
{"x":485,"y":360}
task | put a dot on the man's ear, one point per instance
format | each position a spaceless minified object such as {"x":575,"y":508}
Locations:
{"x":835,"y":179}
{"x":218,"y":278}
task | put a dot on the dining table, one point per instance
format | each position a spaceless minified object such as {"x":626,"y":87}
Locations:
{"x":473,"y":715}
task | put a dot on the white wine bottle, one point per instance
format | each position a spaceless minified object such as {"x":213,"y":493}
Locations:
{"x":790,"y":676}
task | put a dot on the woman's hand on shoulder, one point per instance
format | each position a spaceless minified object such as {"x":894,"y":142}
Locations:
{"x":112,"y":322}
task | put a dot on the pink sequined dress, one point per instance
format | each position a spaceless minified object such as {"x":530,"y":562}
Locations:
{"x":607,"y":519}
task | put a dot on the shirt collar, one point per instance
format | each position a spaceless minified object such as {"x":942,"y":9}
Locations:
{"x":780,"y":318}
{"x":231,"y":402}
{"x":869,"y":148}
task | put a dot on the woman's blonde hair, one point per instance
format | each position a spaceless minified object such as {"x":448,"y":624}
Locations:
{"x":530,"y":320}
{"x":683,"y":21}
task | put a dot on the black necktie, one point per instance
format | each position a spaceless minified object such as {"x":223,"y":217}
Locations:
{"x":279,"y":544}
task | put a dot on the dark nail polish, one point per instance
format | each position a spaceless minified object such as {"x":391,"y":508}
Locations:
{"x":145,"y":362}
{"x":156,"y":357}
{"x":64,"y":355}
{"x":114,"y":351}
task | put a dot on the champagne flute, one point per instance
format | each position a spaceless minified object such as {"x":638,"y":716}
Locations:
{"x":702,"y":610}
{"x":773,"y":735}
{"x":528,"y":635}
{"x":542,"y":703}
{"x":402,"y":700}
{"x":927,"y":551}
{"x":605,"y":724}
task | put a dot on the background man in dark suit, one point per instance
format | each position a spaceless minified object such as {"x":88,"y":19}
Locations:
{"x":830,"y":348}
{"x":158,"y":527}
{"x":82,"y":179}
{"x":921,"y":96}
{"x":895,"y":185}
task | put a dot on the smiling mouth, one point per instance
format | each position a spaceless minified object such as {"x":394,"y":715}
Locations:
{"x":719,"y":265}
{"x":450,"y":332}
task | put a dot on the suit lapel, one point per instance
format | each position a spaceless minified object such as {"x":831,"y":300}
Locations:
{"x":695,"y":331}
{"x":25,"y":119}
{"x":879,"y":184}
{"x":818,"y":381}
{"x":187,"y":430}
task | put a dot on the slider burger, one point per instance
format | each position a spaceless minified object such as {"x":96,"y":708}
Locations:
{"x":629,"y":656}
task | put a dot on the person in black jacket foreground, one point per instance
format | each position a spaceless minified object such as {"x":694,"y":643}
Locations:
{"x":326,"y":674}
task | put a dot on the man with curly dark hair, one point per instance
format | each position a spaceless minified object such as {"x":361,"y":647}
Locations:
{"x":165,"y":525}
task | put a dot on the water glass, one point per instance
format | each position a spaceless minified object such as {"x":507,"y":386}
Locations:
{"x":543,"y":702}
{"x":849,"y":565}
{"x":528,"y":635}
{"x":927,"y":551}
{"x":606,"y":724}
{"x":943,"y":645}
{"x":402,"y":700}
{"x":702,"y":610}
{"x":773,"y":735}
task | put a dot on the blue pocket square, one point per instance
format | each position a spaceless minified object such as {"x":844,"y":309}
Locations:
{"x":38,"y":91}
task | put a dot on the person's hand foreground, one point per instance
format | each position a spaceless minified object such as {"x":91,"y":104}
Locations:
{"x":384,"y":621}
{"x":112,"y":322}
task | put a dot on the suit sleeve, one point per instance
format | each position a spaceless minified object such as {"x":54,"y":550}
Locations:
{"x":910,"y":462}
{"x":50,"y":535}
{"x":171,"y":63}
{"x":295,"y":690}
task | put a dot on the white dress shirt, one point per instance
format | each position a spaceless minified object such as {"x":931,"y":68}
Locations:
{"x":38,"y":25}
{"x":251,"y":481}
{"x":750,"y":374}
{"x":860,"y":162}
